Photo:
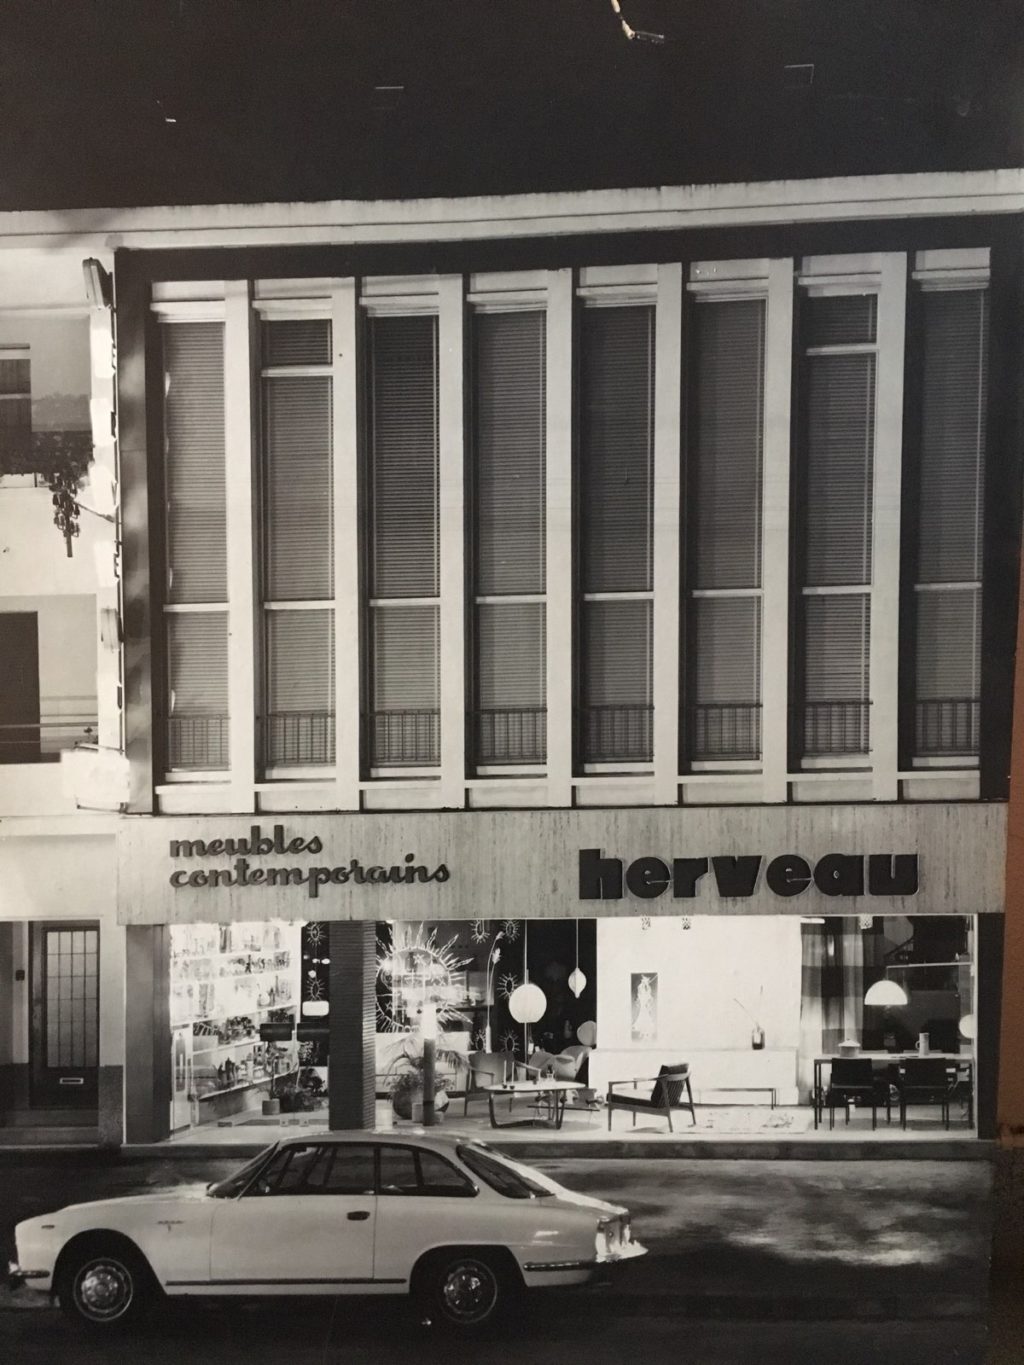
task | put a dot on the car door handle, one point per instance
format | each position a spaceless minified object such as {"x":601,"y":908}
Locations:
{"x":359,"y":1216}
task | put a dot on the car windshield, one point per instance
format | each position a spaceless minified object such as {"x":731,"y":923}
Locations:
{"x":235,"y":1184}
{"x":502,"y":1174}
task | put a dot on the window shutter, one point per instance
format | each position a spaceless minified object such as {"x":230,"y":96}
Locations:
{"x":406,"y":685}
{"x":299,"y":503}
{"x":197,"y":657}
{"x":616,"y":448}
{"x":726,"y":677}
{"x":954,"y":394}
{"x":617,"y":680}
{"x":726,"y":488}
{"x":195,"y":476}
{"x":839,"y":468}
{"x":837,"y":640}
{"x":404,"y":456}
{"x":300,"y":687}
{"x":510,"y":431}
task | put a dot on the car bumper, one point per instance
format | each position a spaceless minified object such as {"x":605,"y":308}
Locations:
{"x":594,"y":1270}
{"x":17,"y":1277}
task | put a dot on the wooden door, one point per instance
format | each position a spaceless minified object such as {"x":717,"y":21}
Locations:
{"x":64,"y":1038}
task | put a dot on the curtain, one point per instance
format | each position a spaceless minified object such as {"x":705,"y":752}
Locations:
{"x":812,"y":1015}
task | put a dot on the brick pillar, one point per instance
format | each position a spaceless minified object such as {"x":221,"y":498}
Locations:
{"x":353,"y":1021}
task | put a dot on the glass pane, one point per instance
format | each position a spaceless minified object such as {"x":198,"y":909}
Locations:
{"x":398,"y":1171}
{"x":299,"y":342}
{"x":300,"y":687}
{"x":617,"y":714}
{"x":298,"y":491}
{"x":197,"y":726}
{"x":839,"y":320}
{"x":839,"y":468}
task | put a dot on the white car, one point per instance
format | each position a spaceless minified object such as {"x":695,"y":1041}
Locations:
{"x":447,"y":1219}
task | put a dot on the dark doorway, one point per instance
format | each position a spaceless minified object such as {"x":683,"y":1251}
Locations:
{"x":19,"y":687}
{"x":64,"y":1036}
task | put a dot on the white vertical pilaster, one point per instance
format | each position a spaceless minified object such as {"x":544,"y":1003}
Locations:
{"x":885,"y":560}
{"x":778,"y":381}
{"x":452,"y":536}
{"x":239,"y":329}
{"x":667,"y":418}
{"x":104,"y":445}
{"x":558,"y":568}
{"x":348,"y":642}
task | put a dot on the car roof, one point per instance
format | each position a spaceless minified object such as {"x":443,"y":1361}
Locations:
{"x":417,"y":1137}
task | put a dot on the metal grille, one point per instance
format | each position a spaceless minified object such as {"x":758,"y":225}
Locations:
{"x":511,"y":735}
{"x":836,"y":727}
{"x":198,"y":742}
{"x":298,"y":737}
{"x":617,"y":733}
{"x":725,"y":730}
{"x":397,"y":738}
{"x":948,"y":725}
{"x":72,"y":997}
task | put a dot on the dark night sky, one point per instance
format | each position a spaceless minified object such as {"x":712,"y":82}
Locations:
{"x":277,"y":100}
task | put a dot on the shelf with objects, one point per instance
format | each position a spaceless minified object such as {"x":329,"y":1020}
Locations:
{"x":227,"y":981}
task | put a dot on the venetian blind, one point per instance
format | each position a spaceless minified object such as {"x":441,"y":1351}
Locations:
{"x":727,"y":647}
{"x":193,"y":355}
{"x":726,"y":485}
{"x":840,"y":445}
{"x":952,"y":467}
{"x":616,"y":448}
{"x":300,"y":687}
{"x":403,"y":456}
{"x":617,"y":658}
{"x":837,"y":647}
{"x":406,"y":658}
{"x":509,"y":418}
{"x":510,"y":638}
{"x":299,"y":503}
{"x":197,"y":675}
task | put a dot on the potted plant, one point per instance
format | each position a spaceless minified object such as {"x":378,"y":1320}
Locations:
{"x":405,"y":1079}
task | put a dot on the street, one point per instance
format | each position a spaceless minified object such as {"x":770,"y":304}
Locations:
{"x":798,"y":1261}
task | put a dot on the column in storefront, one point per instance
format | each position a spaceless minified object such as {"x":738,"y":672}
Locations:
{"x":147,"y":1082}
{"x":353,"y":1020}
{"x":110,"y":1116}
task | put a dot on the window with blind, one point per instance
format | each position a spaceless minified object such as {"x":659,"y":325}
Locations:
{"x":616,"y":447}
{"x":947,"y":502}
{"x":403,"y":725}
{"x":195,"y":604}
{"x":724,"y":501}
{"x":297,"y":722}
{"x":834,"y":523}
{"x":510,"y":716}
{"x":15,"y":406}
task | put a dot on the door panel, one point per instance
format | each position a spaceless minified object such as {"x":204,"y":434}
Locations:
{"x":64,"y":1040}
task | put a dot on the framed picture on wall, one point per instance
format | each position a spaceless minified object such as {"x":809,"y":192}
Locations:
{"x":644,"y":1006}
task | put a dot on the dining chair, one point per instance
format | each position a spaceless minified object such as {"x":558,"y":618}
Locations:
{"x":926,"y":1080}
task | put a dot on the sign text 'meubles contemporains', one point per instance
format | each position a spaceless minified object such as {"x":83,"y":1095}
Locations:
{"x":257,"y":845}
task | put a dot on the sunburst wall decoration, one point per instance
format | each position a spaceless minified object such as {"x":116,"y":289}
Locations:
{"x":413,"y":969}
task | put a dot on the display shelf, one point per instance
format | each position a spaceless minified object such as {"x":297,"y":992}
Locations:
{"x":233,"y":1089}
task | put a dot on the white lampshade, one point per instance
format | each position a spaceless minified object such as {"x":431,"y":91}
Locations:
{"x":577,"y":983}
{"x":968,"y":1026}
{"x":886,"y":992}
{"x":587,"y":1033}
{"x":527,"y":1004}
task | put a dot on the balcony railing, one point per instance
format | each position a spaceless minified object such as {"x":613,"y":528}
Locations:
{"x":947,"y":726}
{"x":398,"y":739}
{"x":617,"y":734}
{"x":725,"y":730}
{"x":834,"y":728}
{"x":197,"y":742}
{"x":46,"y":741}
{"x":298,"y":738}
{"x":516,"y":734}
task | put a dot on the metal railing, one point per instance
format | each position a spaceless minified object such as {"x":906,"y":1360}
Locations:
{"x":832,"y":728}
{"x":513,"y":734}
{"x":948,"y":726}
{"x":199,"y":742}
{"x":410,"y":738}
{"x":45,"y":741}
{"x":297,"y":738}
{"x":725,"y":730}
{"x":610,"y":734}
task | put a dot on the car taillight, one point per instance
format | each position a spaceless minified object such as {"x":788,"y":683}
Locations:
{"x":612,"y":1235}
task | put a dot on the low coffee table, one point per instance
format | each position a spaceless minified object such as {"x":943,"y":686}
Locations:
{"x":556,"y":1093}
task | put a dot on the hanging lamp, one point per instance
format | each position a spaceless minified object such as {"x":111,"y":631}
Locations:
{"x":577,"y":980}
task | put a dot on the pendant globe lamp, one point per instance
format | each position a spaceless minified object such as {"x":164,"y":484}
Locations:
{"x":527,"y":1002}
{"x":577,"y":980}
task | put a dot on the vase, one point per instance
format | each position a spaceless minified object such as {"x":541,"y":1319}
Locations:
{"x":757,"y":1038}
{"x":407,"y":1104}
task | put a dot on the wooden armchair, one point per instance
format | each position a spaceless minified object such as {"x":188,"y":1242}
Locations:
{"x":484,"y":1069}
{"x":667,"y":1094}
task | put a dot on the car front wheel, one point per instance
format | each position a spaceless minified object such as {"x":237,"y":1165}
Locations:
{"x":104,"y":1287}
{"x":468,"y":1291}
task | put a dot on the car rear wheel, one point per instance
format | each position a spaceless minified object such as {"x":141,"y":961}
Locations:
{"x":468,"y":1291}
{"x":104,"y":1287}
